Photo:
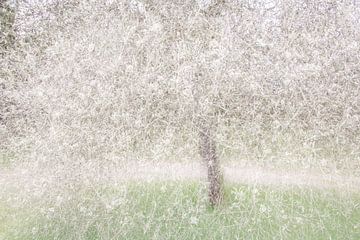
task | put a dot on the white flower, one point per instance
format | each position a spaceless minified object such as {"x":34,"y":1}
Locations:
{"x":109,"y":2}
{"x":204,"y":4}
{"x":91,"y":47}
{"x":115,"y":202}
{"x":163,"y":189}
{"x":82,"y":209}
{"x":59,"y":201}
{"x":157,"y":27}
{"x":298,"y":219}
{"x":194,"y":220}
{"x":109,"y":207}
{"x":93,"y":83}
{"x":263,"y":209}
{"x":137,"y":6}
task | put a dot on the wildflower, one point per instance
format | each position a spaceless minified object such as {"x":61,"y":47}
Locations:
{"x":194,"y":220}
{"x":82,"y":209}
{"x":163,"y":188}
{"x":59,"y":201}
{"x":263,"y":209}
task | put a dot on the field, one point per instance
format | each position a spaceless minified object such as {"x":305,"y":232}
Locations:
{"x":158,"y":204}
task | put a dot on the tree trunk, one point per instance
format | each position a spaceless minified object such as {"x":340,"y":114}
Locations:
{"x":208,"y":154}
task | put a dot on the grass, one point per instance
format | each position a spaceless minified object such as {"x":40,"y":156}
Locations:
{"x":179,"y":210}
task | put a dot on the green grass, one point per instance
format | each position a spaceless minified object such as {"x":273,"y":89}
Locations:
{"x":179,"y":210}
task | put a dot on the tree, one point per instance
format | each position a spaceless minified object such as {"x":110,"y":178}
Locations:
{"x":145,"y":73}
{"x":206,"y":122}
{"x":209,"y":155}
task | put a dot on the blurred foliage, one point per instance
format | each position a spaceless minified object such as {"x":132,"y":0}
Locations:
{"x":7,"y":22}
{"x":129,"y":79}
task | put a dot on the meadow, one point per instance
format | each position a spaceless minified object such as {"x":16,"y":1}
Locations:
{"x":180,"y":210}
